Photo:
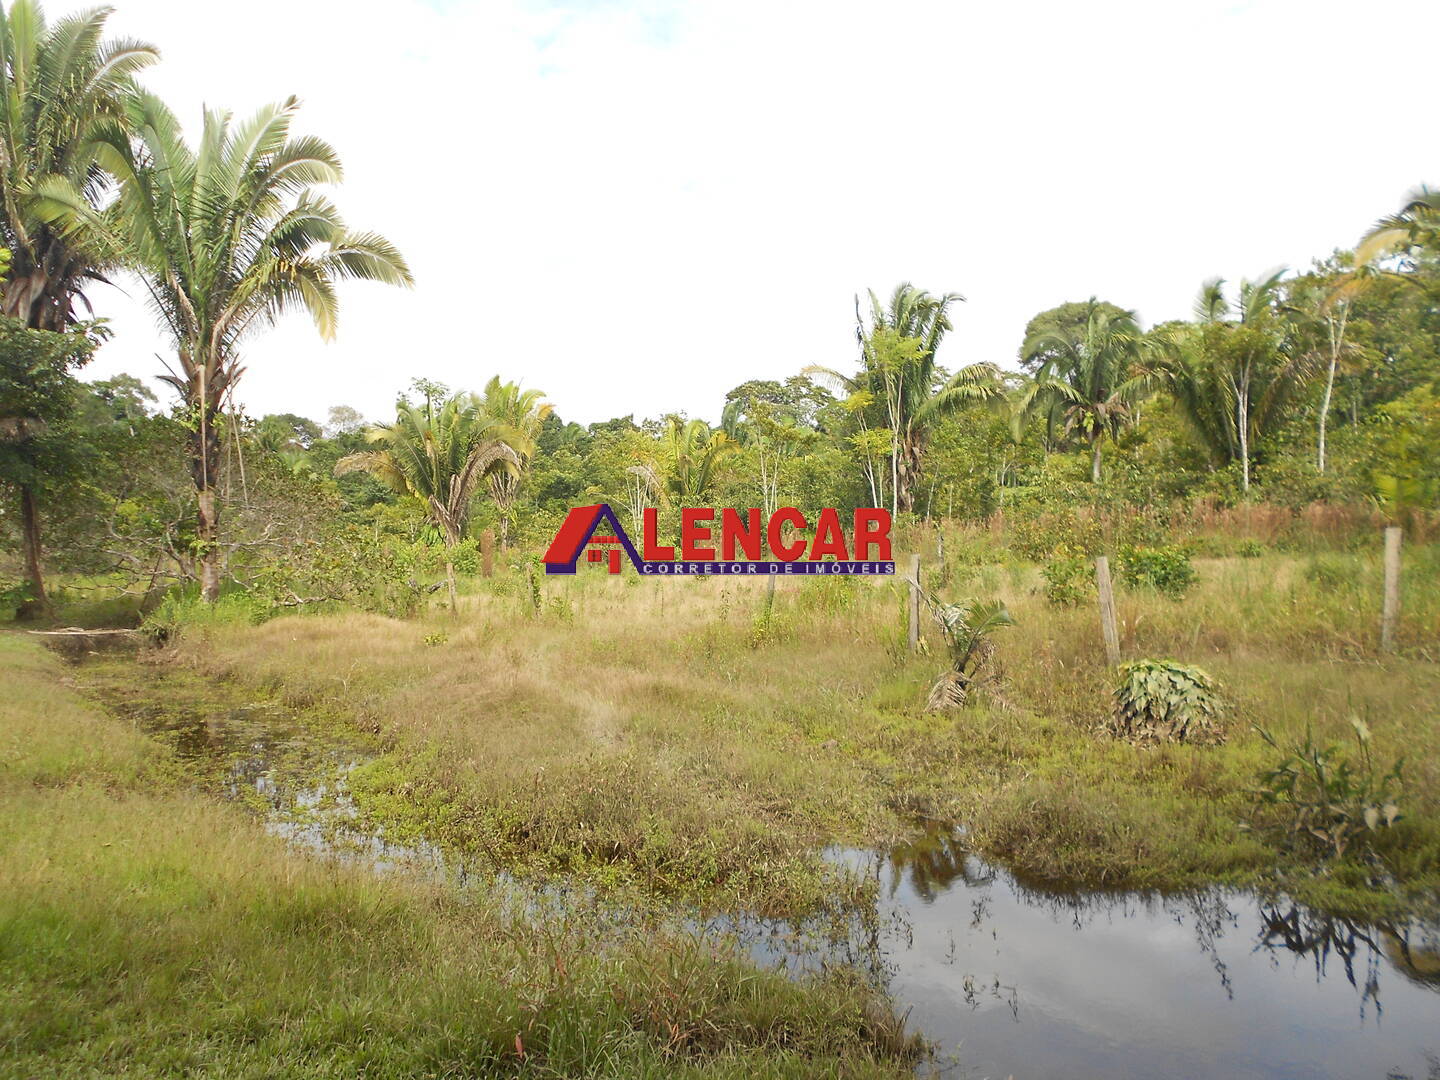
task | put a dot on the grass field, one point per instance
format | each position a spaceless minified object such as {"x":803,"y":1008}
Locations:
{"x":147,"y":930}
{"x":666,"y":738}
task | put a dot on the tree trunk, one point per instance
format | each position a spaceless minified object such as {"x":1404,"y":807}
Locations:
{"x":1242,"y":411}
{"x":38,"y":602}
{"x":29,"y":297}
{"x":205,"y":472}
{"x":450,"y":580}
{"x":906,"y":475}
{"x":1325,"y":414}
{"x":1095,"y":461}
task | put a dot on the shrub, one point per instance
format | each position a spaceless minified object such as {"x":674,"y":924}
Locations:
{"x":1251,"y":549}
{"x":1068,"y":581}
{"x":1162,"y":701}
{"x":1167,"y":570}
{"x":1330,"y":800}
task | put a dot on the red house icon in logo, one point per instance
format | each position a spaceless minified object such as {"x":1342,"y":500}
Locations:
{"x":582,"y":532}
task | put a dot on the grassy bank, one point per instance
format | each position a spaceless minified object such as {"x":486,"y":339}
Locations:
{"x":149,"y":930}
{"x":666,"y":736}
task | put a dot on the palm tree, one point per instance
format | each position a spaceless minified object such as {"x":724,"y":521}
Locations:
{"x":966,"y":628}
{"x":1234,"y":372}
{"x":438,"y":455}
{"x":1415,"y":227}
{"x":57,"y":85}
{"x":693,"y":450}
{"x":897,"y":353}
{"x":228,"y":239}
{"x":516,"y":417}
{"x":1089,"y":378}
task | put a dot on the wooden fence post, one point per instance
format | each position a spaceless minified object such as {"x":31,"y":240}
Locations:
{"x":1107,"y":609}
{"x":1391,"y":613}
{"x":914,"y":602}
{"x":770,"y":594}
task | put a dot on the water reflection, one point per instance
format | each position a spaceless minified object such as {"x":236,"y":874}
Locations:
{"x":1020,"y":978}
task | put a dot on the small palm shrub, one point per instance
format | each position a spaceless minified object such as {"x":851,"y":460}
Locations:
{"x":1162,"y":701}
{"x":1167,"y":570}
{"x":1068,"y":581}
{"x":966,"y":628}
{"x":1329,"y":798}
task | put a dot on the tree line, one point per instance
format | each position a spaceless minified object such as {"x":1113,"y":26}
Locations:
{"x":1293,"y":387}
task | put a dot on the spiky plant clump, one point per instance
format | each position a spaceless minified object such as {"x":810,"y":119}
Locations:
{"x":1162,"y":701}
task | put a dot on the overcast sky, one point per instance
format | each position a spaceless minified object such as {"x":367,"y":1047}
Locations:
{"x":635,"y":206}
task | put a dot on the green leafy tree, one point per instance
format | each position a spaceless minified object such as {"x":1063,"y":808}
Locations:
{"x":38,"y":396}
{"x":770,"y":422}
{"x":1321,"y":308}
{"x":440,"y":455}
{"x":58,"y":84}
{"x":1235,"y":371}
{"x":1087,"y":373}
{"x":229,"y":238}
{"x":910,"y":391}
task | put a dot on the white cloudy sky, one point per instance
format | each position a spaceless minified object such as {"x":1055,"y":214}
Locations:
{"x":637,"y":205}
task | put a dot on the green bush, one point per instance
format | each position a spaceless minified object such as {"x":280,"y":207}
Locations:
{"x":1329,"y":799}
{"x":1162,"y":701}
{"x":1251,"y":549}
{"x":1068,"y":581}
{"x":1167,"y":570}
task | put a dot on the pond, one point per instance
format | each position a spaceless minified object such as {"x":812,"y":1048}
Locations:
{"x":1007,"y":979}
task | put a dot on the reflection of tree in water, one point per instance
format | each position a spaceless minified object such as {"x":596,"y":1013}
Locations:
{"x":1412,"y":949}
{"x":938,"y":860}
{"x":933,"y":862}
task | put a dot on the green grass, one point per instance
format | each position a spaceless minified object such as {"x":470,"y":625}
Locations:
{"x":149,"y":930}
{"x":642,"y":736}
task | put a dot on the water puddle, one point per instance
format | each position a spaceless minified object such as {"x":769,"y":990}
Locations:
{"x":1006,"y":979}
{"x":1011,"y":980}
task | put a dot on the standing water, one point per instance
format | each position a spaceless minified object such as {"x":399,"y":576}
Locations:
{"x":1018,"y":981}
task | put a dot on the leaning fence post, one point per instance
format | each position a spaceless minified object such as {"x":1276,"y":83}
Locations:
{"x":1391,"y":612}
{"x":1107,"y":609}
{"x":914,"y":602}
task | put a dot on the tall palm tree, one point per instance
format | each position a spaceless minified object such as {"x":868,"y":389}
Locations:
{"x":1233,"y":372}
{"x":229,"y":238}
{"x":515,"y":417}
{"x":1089,"y":378}
{"x":57,"y":84}
{"x":439,"y":454}
{"x":897,"y":351}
